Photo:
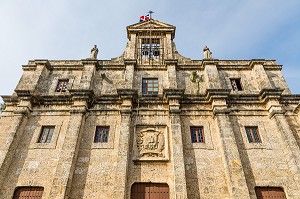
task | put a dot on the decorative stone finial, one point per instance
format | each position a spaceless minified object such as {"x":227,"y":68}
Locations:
{"x":207,"y":53}
{"x":94,"y":52}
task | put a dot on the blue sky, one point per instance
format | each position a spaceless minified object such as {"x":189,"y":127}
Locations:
{"x":65,"y":29}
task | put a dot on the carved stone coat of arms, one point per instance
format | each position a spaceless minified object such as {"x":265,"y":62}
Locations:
{"x":150,"y":144}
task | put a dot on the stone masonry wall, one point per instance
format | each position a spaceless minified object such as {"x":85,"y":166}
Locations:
{"x":34,"y":163}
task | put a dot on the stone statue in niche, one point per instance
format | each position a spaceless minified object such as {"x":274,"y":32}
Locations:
{"x":207,"y":53}
{"x":150,"y":143}
{"x":94,"y":52}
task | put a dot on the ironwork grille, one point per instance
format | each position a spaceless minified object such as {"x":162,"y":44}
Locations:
{"x":236,"y":84}
{"x":150,"y":48}
{"x":197,"y":134}
{"x":62,"y":85}
{"x":46,"y":134}
{"x":101,"y":134}
{"x":253,"y":134}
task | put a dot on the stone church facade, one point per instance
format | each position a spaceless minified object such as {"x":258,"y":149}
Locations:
{"x":150,"y":124}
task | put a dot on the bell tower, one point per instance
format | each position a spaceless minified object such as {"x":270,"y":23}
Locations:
{"x":150,"y":42}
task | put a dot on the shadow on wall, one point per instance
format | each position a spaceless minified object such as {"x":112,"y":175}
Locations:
{"x":250,"y":180}
{"x":191,"y":169}
{"x":16,"y":166}
{"x":80,"y":175}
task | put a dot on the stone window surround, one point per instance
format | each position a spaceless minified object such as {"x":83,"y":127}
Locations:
{"x":263,"y":133}
{"x":146,"y":75}
{"x":34,"y":144}
{"x":111,"y":135}
{"x":252,"y":134}
{"x":208,"y":144}
{"x":105,"y":131}
{"x":45,"y":133}
{"x":64,"y":87}
{"x":236,"y":79}
{"x":153,"y":81}
{"x":198,"y":138}
{"x":55,"y":80}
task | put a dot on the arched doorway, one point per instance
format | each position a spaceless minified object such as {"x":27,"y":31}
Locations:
{"x":150,"y":190}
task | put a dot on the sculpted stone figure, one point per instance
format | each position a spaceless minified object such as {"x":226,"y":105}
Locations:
{"x":94,"y":52}
{"x":207,"y":53}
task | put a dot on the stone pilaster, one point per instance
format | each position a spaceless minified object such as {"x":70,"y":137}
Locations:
{"x":174,"y":96}
{"x":260,"y":74}
{"x":235,"y":177}
{"x":130,"y":47}
{"x":168,"y":46}
{"x":88,"y":73}
{"x":12,"y":137}
{"x":63,"y":176}
{"x":211,"y":74}
{"x":38,"y":70}
{"x":129,"y":73}
{"x":121,"y":173}
{"x":171,"y":66}
{"x":277,"y":115}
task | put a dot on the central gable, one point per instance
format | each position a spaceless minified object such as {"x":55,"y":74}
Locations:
{"x":151,"y":24}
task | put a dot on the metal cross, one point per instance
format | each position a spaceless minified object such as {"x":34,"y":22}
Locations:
{"x":150,"y":12}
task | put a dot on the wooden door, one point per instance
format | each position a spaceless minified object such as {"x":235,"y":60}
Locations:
{"x":28,"y":193}
{"x":269,"y":192}
{"x":150,"y":191}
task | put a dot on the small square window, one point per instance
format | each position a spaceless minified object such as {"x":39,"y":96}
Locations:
{"x":62,"y":85}
{"x":101,"y":134}
{"x":253,"y":134}
{"x":46,"y":134}
{"x":150,"y":86}
{"x":236,"y":84}
{"x":197,"y":134}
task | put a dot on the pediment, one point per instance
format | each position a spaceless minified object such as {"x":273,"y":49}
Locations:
{"x":152,"y":24}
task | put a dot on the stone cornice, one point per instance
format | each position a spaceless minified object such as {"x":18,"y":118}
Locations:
{"x":89,"y":61}
{"x":267,"y":94}
{"x":210,"y":62}
{"x":81,"y":93}
{"x":173,"y":93}
{"x":257,"y":62}
{"x":34,"y":63}
{"x":171,"y":61}
{"x":160,"y":67}
{"x":127,"y":93}
{"x":10,"y":99}
{"x":212,"y":94}
{"x":130,"y":61}
{"x":24,"y":93}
